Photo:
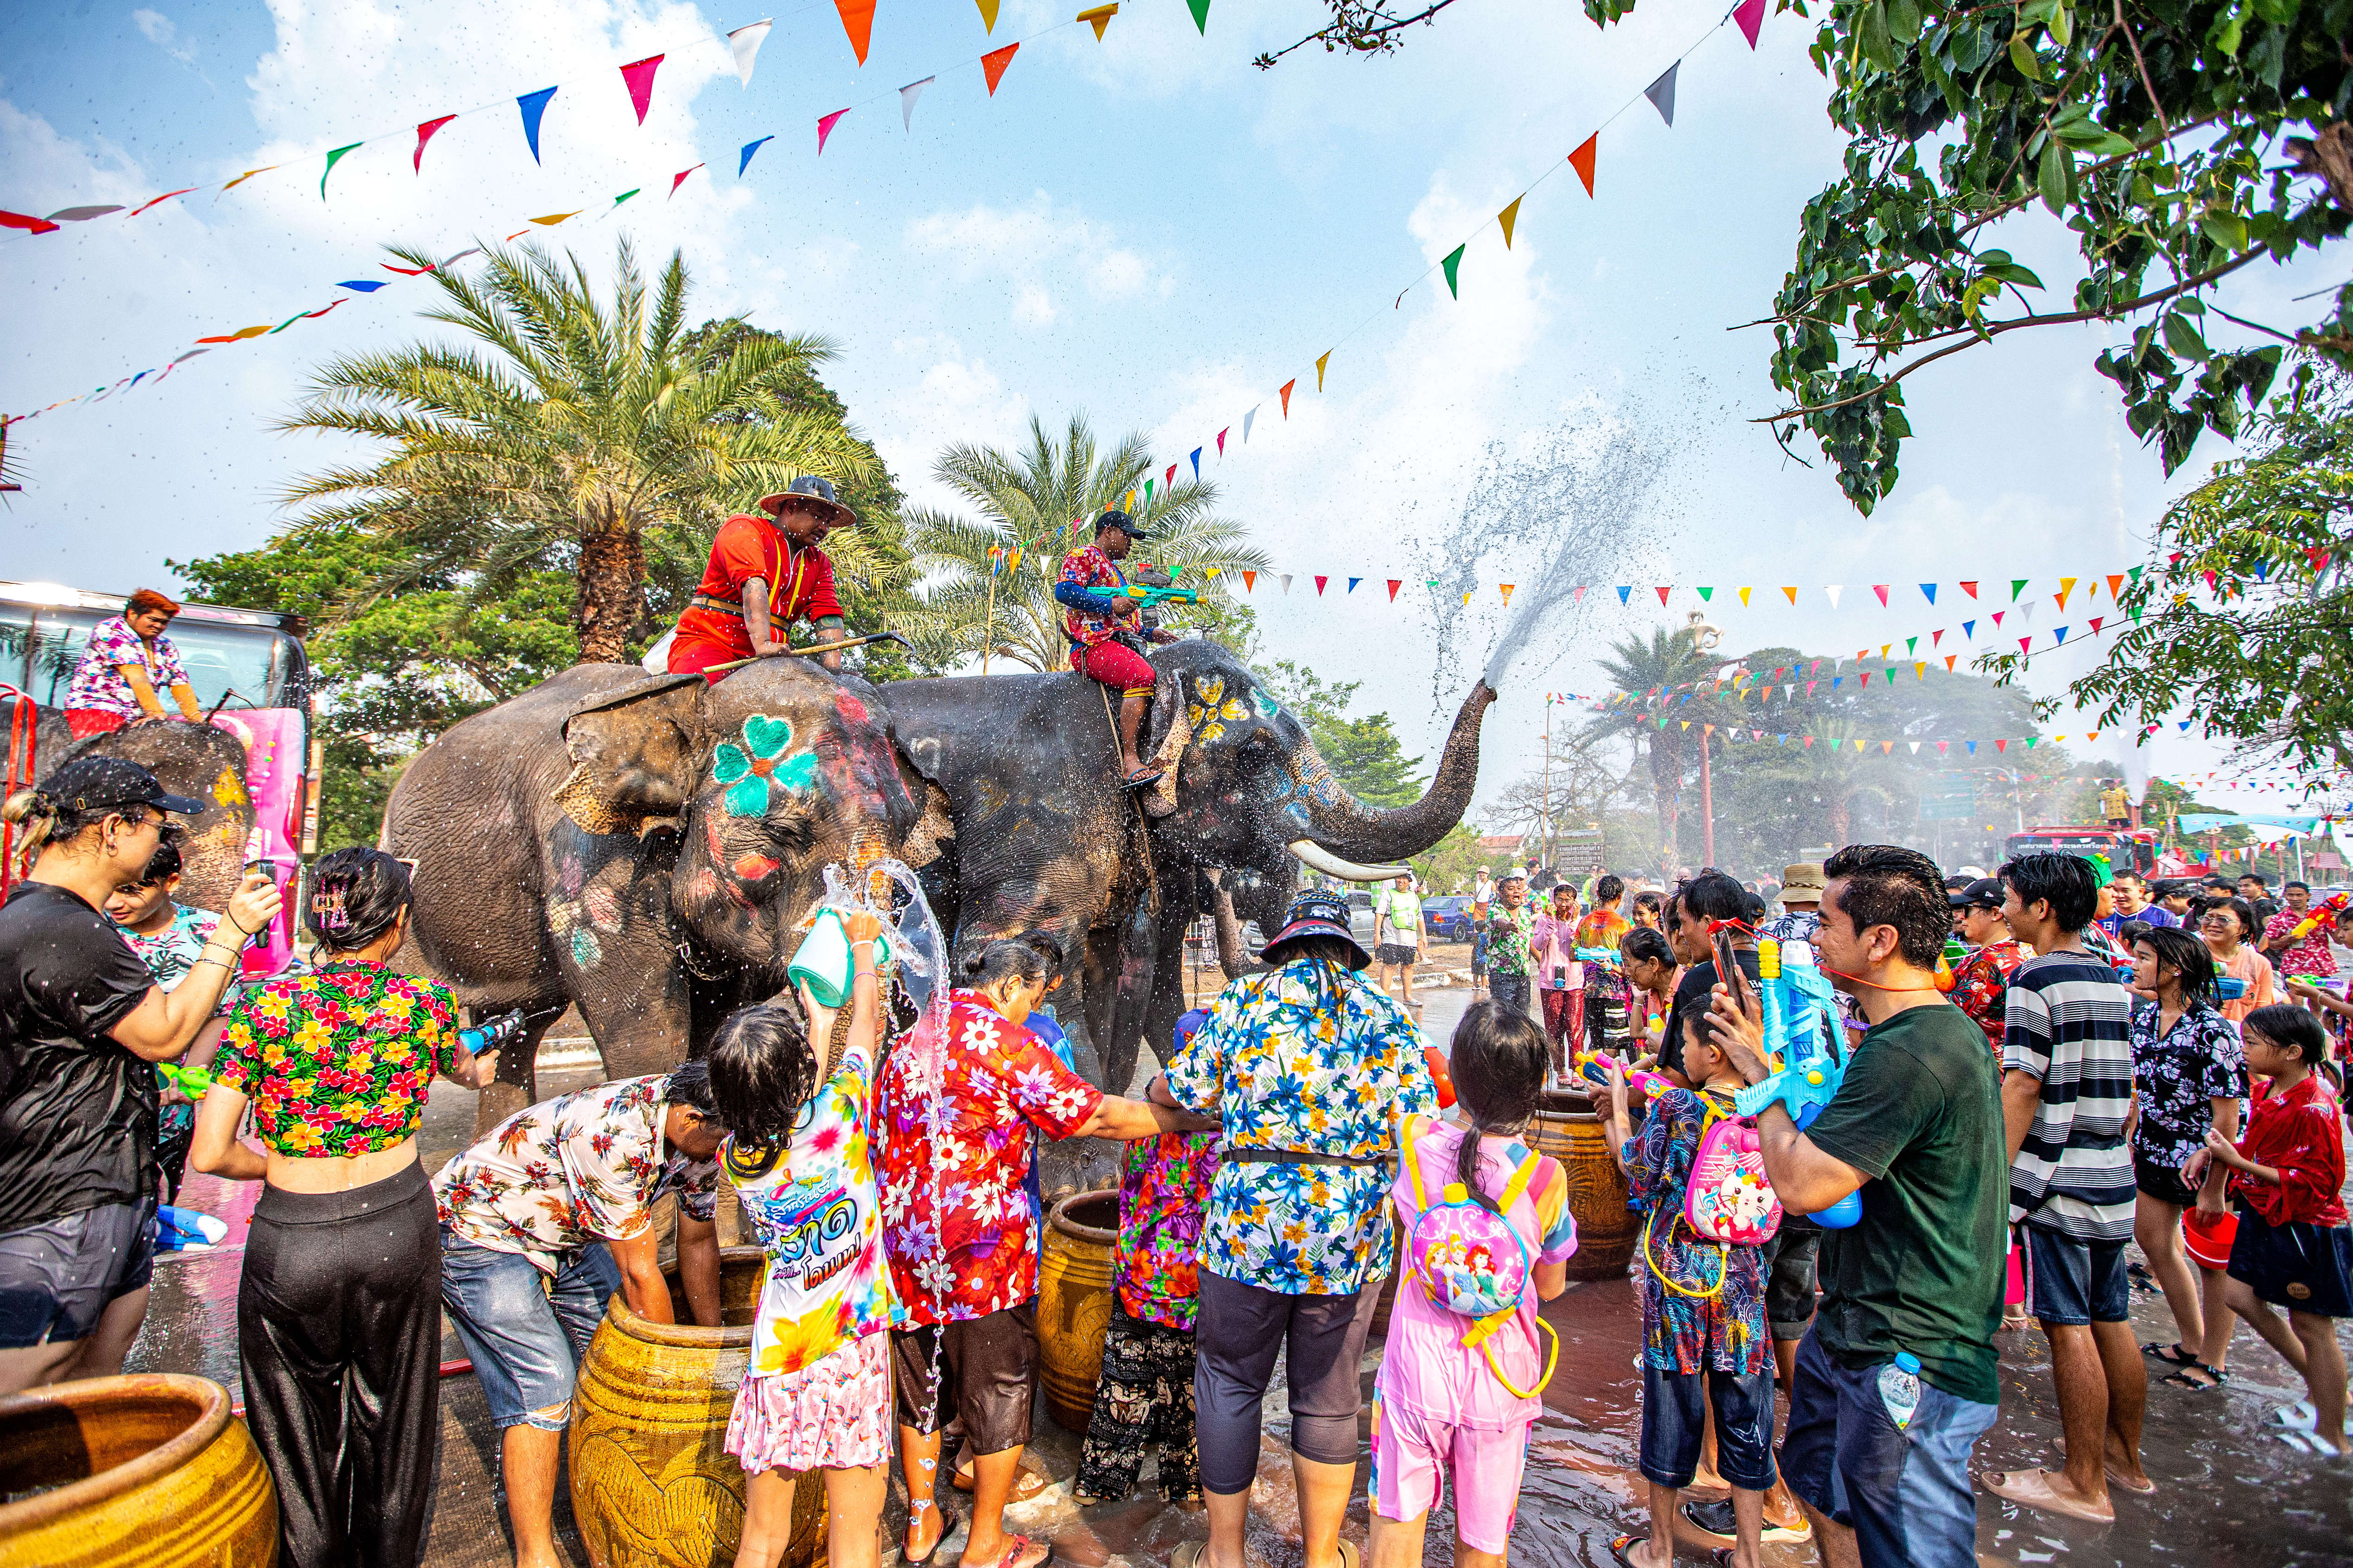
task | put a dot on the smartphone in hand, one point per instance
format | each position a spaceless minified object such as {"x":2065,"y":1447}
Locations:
{"x":1728,"y":971}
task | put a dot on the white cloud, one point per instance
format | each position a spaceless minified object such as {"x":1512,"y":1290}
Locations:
{"x":1031,"y":247}
{"x":948,"y":396}
{"x":159,"y":31}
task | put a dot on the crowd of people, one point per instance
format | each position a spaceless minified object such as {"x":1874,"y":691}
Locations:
{"x":2033,"y":1069}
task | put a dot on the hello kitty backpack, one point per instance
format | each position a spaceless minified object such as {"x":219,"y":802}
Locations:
{"x":1729,"y":1198}
{"x":1471,"y":1260}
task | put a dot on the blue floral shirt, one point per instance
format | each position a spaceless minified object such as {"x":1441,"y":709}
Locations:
{"x":1312,"y":1059}
{"x":1726,"y":1330}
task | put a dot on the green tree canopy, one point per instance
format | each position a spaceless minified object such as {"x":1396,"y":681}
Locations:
{"x":572,"y":434}
{"x":1363,"y":753}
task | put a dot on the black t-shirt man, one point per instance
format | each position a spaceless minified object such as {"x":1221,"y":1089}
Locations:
{"x":77,"y":1110}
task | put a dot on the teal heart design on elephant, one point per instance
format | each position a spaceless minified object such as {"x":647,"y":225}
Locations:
{"x":747,"y":769}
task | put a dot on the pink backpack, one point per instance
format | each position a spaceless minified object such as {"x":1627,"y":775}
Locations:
{"x":1471,"y":1261}
{"x":1728,"y":1199}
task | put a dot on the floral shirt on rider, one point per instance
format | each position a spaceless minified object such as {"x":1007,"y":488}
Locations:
{"x":1308,"y":1058}
{"x":1091,"y":568}
{"x":337,"y":1062}
{"x":958,"y":1221}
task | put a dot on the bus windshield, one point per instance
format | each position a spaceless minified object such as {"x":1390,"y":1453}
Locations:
{"x":232,"y":665}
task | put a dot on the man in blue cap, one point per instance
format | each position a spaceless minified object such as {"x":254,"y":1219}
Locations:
{"x":764,"y":574}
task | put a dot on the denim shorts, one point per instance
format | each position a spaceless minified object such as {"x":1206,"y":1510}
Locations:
{"x":1906,"y":1492}
{"x":2071,"y":1283}
{"x":1672,"y":1413}
{"x":57,"y":1278}
{"x":1789,"y":1264}
{"x":525,"y":1332}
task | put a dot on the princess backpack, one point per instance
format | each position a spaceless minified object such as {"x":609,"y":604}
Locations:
{"x":1472,"y":1261}
{"x":1728,"y":1199}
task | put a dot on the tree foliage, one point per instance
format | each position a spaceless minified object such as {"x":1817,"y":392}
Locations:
{"x":571,"y":435}
{"x":2242,"y":619}
{"x":979,"y":599}
{"x":1363,"y":753}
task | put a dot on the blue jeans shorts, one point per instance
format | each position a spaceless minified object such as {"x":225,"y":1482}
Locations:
{"x":525,"y":1332}
{"x":1672,"y":1413}
{"x":2072,"y":1283}
{"x":1906,"y":1492}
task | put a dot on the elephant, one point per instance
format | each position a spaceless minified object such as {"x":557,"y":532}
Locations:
{"x":1044,"y":838}
{"x":643,"y":847}
{"x":201,"y":760}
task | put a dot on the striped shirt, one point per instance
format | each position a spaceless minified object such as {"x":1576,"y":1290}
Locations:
{"x":2069,"y":1023}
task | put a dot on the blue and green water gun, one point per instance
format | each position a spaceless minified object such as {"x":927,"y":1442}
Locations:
{"x":1155,"y":597}
{"x":1796,"y":1001}
{"x":487,"y":1036}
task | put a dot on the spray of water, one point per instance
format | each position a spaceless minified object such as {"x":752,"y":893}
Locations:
{"x":1576,"y":503}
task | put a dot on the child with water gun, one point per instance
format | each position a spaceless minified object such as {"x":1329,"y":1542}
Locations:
{"x":169,"y":937}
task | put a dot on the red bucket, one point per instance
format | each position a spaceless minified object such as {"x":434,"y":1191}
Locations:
{"x":2207,"y":1241}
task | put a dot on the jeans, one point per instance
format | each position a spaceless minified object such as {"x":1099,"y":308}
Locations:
{"x":526,"y":1336}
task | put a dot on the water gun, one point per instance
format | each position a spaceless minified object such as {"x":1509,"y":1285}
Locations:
{"x":1598,"y":955}
{"x":1155,"y":597}
{"x":1796,"y":999}
{"x":194,"y":1082}
{"x":1441,"y":1075}
{"x":191,"y":1081}
{"x":2322,"y":914}
{"x":1594,"y":1067}
{"x":1950,"y":962}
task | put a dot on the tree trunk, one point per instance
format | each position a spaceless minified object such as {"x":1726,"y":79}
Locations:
{"x":1841,"y":822}
{"x":612,"y":587}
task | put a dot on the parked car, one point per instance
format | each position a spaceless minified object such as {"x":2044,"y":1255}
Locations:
{"x":1447,"y":919}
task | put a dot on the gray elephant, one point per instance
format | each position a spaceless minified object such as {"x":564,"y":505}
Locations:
{"x":197,"y":760}
{"x":643,"y":846}
{"x":1045,"y":839}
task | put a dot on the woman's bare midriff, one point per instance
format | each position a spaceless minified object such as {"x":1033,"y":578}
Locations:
{"x":339,"y":1174}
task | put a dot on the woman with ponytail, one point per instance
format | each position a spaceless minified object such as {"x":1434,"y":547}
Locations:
{"x":339,"y":1310}
{"x":80,"y":1019}
{"x":1447,"y":1416}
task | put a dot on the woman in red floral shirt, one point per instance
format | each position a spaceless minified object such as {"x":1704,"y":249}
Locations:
{"x":341,"y":1288}
{"x":1982,"y":983}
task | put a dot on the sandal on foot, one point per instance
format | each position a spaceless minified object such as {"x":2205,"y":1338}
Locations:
{"x":1622,"y":1549}
{"x":948,"y":1523}
{"x":1189,"y":1554}
{"x":2125,"y":1483}
{"x":2297,"y":1417}
{"x":2171,"y":1355}
{"x":2033,"y":1488}
{"x":1016,"y":1555}
{"x":2182,"y":1379}
{"x":1147,"y":775}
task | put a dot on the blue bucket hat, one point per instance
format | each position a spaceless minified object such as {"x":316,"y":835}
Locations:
{"x":1316,"y":914}
{"x":814,"y":493}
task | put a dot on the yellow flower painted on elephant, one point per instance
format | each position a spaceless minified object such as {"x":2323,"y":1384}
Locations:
{"x":1211,"y":710}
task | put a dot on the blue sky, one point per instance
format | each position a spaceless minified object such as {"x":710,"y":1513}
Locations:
{"x":1145,"y":229}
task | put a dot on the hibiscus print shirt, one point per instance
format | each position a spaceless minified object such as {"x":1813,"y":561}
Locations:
{"x":1164,"y":1182}
{"x":1307,"y":1059}
{"x":819,"y":1213}
{"x":1511,"y":941}
{"x":1725,"y":1331}
{"x":98,"y":679}
{"x":1981,"y":986}
{"x":2310,"y":956}
{"x":581,"y":1168}
{"x":336,"y":1061}
{"x":1089,"y":568}
{"x":2177,"y":1073}
{"x":958,"y":1221}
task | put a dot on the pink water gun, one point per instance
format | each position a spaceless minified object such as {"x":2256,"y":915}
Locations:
{"x":1594,"y":1067}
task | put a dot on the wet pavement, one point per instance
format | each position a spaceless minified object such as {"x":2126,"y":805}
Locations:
{"x":2229,"y":1494}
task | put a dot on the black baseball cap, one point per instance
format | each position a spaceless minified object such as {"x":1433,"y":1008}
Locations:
{"x":1112,"y":517}
{"x":104,"y":783}
{"x":1985,"y":894}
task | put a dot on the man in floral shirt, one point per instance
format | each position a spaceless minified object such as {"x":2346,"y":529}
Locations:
{"x":542,"y":1222}
{"x":1312,"y":1071}
{"x":1511,"y":940}
{"x":1090,"y":591}
{"x":960,"y":1234}
{"x":1982,"y":984}
{"x":2289,"y":954}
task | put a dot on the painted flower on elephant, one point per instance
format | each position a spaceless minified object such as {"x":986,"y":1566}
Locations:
{"x":1211,"y":710}
{"x":749,"y":769}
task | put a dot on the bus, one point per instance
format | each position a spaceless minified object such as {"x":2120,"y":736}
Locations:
{"x":2128,"y":848}
{"x":250,"y":676}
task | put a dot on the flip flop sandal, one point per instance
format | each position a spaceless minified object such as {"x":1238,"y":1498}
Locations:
{"x":2183,"y":1379}
{"x":1028,"y":1485}
{"x":2125,"y":1483}
{"x":1349,"y":1556}
{"x":1622,"y":1548}
{"x":2171,"y":1355}
{"x":2297,"y":1417}
{"x":948,"y":1523}
{"x":1141,"y":777}
{"x":2033,"y":1488}
{"x":1189,"y":1554}
{"x":1016,"y":1547}
{"x":2305,"y":1442}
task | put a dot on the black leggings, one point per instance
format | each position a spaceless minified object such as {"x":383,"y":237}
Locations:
{"x":1240,"y":1332}
{"x":338,"y":1320}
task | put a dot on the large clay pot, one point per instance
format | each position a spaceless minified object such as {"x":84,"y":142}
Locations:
{"x":150,"y":1470}
{"x":652,"y":1483}
{"x":1568,"y":1129}
{"x":1074,"y":1302}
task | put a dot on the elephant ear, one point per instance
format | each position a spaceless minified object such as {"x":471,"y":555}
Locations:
{"x":928,"y":839}
{"x":1167,"y":735}
{"x":635,"y":754}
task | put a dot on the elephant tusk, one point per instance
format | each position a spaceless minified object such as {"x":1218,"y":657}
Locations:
{"x":1315,"y":857}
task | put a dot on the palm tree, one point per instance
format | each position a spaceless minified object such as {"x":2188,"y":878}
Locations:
{"x":991,"y":588}
{"x":1669,"y":659}
{"x":569,"y":432}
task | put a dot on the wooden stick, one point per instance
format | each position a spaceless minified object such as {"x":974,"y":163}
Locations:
{"x":810,"y":651}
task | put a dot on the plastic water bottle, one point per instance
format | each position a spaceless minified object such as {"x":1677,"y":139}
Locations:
{"x":1899,"y":1388}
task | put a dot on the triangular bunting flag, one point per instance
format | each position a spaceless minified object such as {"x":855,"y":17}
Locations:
{"x":993,"y":64}
{"x":744,"y":160}
{"x":1920,"y":669}
{"x":633,"y":190}
{"x":1286,"y":582}
{"x":858,"y":21}
{"x":1171,"y":482}
{"x":1744,"y":598}
{"x":746,"y":41}
{"x":639,"y":75}
{"x":1100,"y":18}
{"x":2017,"y":586}
{"x":1661,"y":93}
{"x":534,"y":105}
{"x":1663,"y":595}
{"x":1751,"y":17}
{"x":1450,"y":264}
{"x":1582,"y":159}
{"x":1249,"y":581}
{"x":1506,"y":587}
{"x":989,"y":15}
{"x":141,"y":207}
{"x":329,"y":169}
{"x":424,"y":134}
{"x":679,"y":178}
{"x":1286,"y":395}
{"x":1948,"y":662}
{"x":1247,"y":420}
{"x":1623,"y":591}
{"x":2066,"y":586}
{"x":1395,"y":584}
{"x":1969,"y":630}
{"x":1930,"y":590}
{"x":1792,"y":594}
{"x":1319,"y":586}
{"x":825,"y":126}
{"x":1222,"y":440}
{"x":1834,"y":590}
{"x":1326,"y":357}
{"x":2116,"y":578}
{"x":2095,"y":624}
{"x":1200,"y":15}
{"x":1507,"y":217}
{"x":1881,"y":589}
{"x":1197,"y":463}
{"x":230,"y":186}
{"x":907,"y":96}
{"x":1352,"y":583}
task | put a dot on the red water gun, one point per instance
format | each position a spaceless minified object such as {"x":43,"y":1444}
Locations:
{"x":1441,"y":1075}
{"x":2322,"y":914}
